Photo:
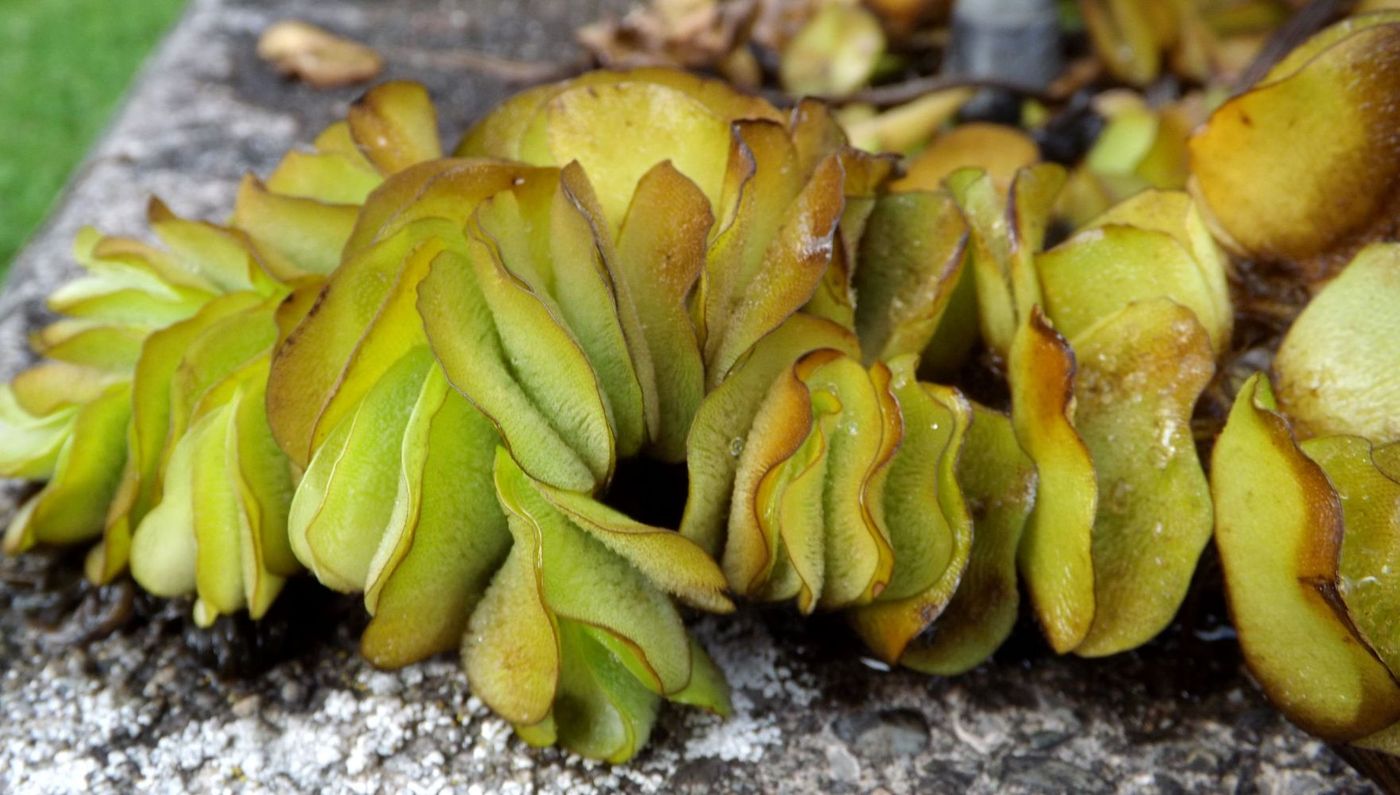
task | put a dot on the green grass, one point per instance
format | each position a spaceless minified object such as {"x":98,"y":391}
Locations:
{"x":64,"y":65}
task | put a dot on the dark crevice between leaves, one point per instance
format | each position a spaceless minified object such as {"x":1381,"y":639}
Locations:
{"x":648,"y":491}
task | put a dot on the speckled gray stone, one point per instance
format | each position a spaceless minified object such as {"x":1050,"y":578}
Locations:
{"x":138,"y":710}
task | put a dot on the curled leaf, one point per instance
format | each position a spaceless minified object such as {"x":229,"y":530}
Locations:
{"x":1129,"y":256}
{"x":445,"y":536}
{"x":72,"y":507}
{"x":1339,"y":367}
{"x":1370,"y":499}
{"x":910,"y":262}
{"x":1139,"y":376}
{"x":719,"y":434}
{"x":1279,"y":527}
{"x":1055,"y":556}
{"x":998,"y":483}
{"x":929,"y":524}
{"x":1330,"y":99}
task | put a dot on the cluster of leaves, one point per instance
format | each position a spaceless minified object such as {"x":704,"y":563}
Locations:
{"x":1304,"y":476}
{"x":415,"y":376}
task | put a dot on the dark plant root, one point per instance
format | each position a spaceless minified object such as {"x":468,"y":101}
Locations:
{"x":48,"y":590}
{"x":1195,"y":657}
{"x":45,"y":586}
{"x":304,"y":617}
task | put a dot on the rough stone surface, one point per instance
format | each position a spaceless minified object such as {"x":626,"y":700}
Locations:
{"x":142,"y":707}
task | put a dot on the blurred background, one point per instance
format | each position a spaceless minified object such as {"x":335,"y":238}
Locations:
{"x":64,"y":66}
{"x":1109,"y":88}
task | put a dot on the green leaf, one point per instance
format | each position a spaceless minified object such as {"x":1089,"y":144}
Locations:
{"x":446,"y":535}
{"x":328,"y":177}
{"x":1099,"y":272}
{"x":1005,"y":236}
{"x":220,"y":256}
{"x":446,"y":190}
{"x":1279,"y":526}
{"x":601,"y":711}
{"x":265,"y":477}
{"x":988,"y":255}
{"x":660,"y":255}
{"x":219,"y":523}
{"x":792,"y":265}
{"x":90,"y":343}
{"x":1339,"y":367}
{"x":296,"y":236}
{"x":998,"y":482}
{"x":72,"y":507}
{"x":343,"y":504}
{"x":1140,"y":375}
{"x":363,"y":322}
{"x":395,"y":126}
{"x":1055,"y":556}
{"x":911,"y":258}
{"x":1370,"y":499}
{"x":120,"y":294}
{"x":718,"y":434}
{"x":834,"y":53}
{"x":930,"y":528}
{"x":671,"y":561}
{"x":32,"y":443}
{"x":546,"y":242}
{"x":500,"y":346}
{"x":511,"y":650}
{"x":768,"y":459}
{"x":708,"y":688}
{"x":806,"y":518}
{"x":157,"y":423}
{"x":1314,"y":137}
{"x":584,"y":581}
{"x":584,"y":123}
{"x":862,"y":441}
{"x":761,"y":181}
{"x":501,"y":132}
{"x":163,"y":549}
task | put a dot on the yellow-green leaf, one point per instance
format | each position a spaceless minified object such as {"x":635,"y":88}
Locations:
{"x":718,"y":435}
{"x":1139,"y":376}
{"x":72,"y":507}
{"x":998,"y":482}
{"x":1339,"y":366}
{"x":395,"y":126}
{"x":447,"y":534}
{"x":1279,"y":526}
{"x":1314,"y":137}
{"x":500,"y":346}
{"x":1055,"y":557}
{"x":911,"y":257}
{"x":1370,"y":499}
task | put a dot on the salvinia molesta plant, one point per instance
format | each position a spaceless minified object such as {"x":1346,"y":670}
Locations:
{"x":418,"y":377}
{"x":148,"y":415}
{"x":822,"y":471}
{"x":1306,"y":479}
{"x":1306,"y":474}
